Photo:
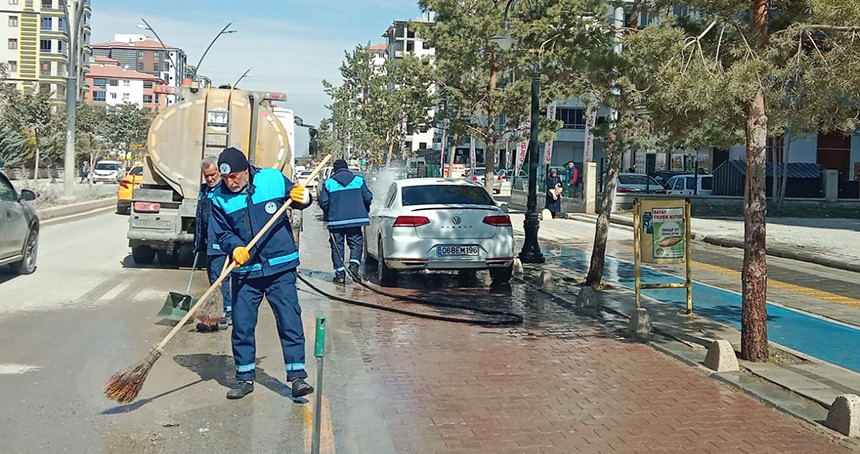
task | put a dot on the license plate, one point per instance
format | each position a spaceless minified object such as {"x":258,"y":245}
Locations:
{"x":152,"y":224}
{"x":456,"y":250}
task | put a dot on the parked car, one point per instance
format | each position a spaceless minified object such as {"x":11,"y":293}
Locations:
{"x":19,"y":224}
{"x":480,"y":175}
{"x":107,"y":171}
{"x":636,"y":183}
{"x":127,"y":185}
{"x":701,"y":184}
{"x":439,"y":224}
{"x":304,"y":174}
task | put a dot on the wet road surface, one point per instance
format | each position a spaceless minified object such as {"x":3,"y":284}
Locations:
{"x":393,"y":383}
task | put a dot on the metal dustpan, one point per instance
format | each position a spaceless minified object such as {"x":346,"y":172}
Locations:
{"x":178,"y":304}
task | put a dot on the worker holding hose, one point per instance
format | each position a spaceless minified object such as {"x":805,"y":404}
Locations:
{"x":345,"y":201}
{"x":242,"y":205}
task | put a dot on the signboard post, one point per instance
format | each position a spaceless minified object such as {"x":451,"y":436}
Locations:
{"x":550,"y":114}
{"x":661,"y":234}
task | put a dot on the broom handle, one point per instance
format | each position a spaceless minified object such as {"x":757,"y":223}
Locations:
{"x":226,"y":272}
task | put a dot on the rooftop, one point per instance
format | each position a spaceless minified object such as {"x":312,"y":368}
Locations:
{"x":142,"y":44}
{"x":116,"y":72}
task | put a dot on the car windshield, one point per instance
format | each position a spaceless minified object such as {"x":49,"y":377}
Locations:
{"x":106,"y":166}
{"x":446,"y":195}
{"x":634,"y":179}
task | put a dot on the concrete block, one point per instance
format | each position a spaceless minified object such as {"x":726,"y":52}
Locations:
{"x":721,"y":357}
{"x":545,"y":215}
{"x":844,"y":415}
{"x":640,"y":324}
{"x":547,"y":280}
{"x":518,"y":266}
{"x":585,"y":298}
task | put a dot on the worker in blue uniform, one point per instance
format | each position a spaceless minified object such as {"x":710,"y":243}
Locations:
{"x":245,"y":201}
{"x":205,"y":242}
{"x":345,"y":201}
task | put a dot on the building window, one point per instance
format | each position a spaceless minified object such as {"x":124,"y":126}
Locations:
{"x":426,"y":45}
{"x":61,"y":91}
{"x":140,"y":66}
{"x":126,"y":83}
{"x":410,"y":46}
{"x":13,"y":21}
{"x":572,"y":118}
{"x":47,"y":4}
{"x":156,"y":98}
{"x":147,"y":99}
{"x":165,"y":66}
{"x":113,"y":83}
{"x":45,"y":68}
{"x":100,"y":82}
{"x":155,"y":66}
{"x":13,"y":43}
{"x":45,"y":45}
{"x":13,"y":2}
{"x":147,"y":84}
{"x":12,"y":65}
{"x":125,"y":96}
{"x":61,"y":24}
{"x":113,"y":96}
{"x":140,"y":54}
{"x":156,"y":55}
{"x":46,"y":23}
{"x":61,"y":47}
{"x":99,"y":96}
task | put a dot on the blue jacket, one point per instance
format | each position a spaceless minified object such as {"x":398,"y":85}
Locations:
{"x":204,"y":239}
{"x":345,"y":200}
{"x":238,"y":216}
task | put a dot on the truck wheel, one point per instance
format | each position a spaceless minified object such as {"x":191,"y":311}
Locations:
{"x":165,"y":257}
{"x":142,"y":255}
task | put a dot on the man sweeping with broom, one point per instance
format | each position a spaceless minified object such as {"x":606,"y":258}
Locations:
{"x":242,"y":204}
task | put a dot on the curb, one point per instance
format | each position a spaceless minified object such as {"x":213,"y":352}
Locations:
{"x":782,"y":252}
{"x":74,"y":208}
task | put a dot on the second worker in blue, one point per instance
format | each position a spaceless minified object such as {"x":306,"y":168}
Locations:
{"x":242,"y":205}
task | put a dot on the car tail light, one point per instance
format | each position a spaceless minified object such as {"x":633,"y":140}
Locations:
{"x":497,"y":220}
{"x":411,"y":221}
{"x":147,"y":207}
{"x":623,"y":190}
{"x":499,"y":178}
{"x":475,"y":178}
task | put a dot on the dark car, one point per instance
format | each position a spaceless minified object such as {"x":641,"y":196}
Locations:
{"x":19,"y":225}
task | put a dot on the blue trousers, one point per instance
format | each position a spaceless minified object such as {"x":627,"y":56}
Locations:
{"x":353,"y":237}
{"x":280,"y":291}
{"x":213,"y":268}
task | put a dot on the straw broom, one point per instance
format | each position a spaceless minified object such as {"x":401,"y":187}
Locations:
{"x":125,"y":385}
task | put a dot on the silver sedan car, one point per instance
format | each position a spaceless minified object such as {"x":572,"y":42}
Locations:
{"x":439,"y":224}
{"x":19,"y":228}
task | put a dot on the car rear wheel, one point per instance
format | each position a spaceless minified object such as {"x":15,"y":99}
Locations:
{"x":501,"y":275}
{"x":143,"y":255}
{"x":369,"y":261}
{"x":27,"y":265}
{"x":387,"y":276}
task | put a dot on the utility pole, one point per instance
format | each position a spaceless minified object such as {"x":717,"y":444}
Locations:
{"x":73,"y":10}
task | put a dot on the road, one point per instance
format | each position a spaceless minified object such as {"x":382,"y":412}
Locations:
{"x":393,"y":383}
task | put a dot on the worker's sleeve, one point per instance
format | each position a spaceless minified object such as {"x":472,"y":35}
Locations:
{"x":199,"y":238}
{"x":366,"y":195}
{"x":221,"y":230}
{"x":288,"y":185}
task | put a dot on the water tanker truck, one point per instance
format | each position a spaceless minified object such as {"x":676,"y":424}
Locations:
{"x":201,"y":123}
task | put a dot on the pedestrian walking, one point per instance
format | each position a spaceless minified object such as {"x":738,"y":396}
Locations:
{"x":85,"y":171}
{"x":573,"y":173}
{"x":553,"y":192}
{"x":206,"y":243}
{"x":345,"y":201}
{"x":242,"y":204}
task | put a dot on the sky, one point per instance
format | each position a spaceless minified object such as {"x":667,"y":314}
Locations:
{"x":290,"y":45}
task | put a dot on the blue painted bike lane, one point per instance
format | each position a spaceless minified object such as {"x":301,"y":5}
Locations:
{"x":827,"y":340}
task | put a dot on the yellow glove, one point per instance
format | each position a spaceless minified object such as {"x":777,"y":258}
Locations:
{"x":241,"y":255}
{"x":300,"y":195}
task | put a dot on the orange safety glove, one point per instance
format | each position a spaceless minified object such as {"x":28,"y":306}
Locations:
{"x":241,"y":255}
{"x":299,"y":194}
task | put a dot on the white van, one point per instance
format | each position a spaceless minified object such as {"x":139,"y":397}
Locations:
{"x":108,"y":171}
{"x":412,"y":166}
{"x":687,"y":185}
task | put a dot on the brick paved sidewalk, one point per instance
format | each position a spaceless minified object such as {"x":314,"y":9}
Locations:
{"x":557,"y":387}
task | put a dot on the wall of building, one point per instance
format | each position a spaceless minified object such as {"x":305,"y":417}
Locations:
{"x":855,"y":156}
{"x":804,"y":149}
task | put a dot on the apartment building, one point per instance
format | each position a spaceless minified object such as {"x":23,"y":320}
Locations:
{"x":112,"y":84}
{"x":34,"y":44}
{"x":148,"y":56}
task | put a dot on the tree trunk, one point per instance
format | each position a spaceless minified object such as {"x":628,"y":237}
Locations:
{"x":754,"y":275}
{"x":492,"y":117}
{"x":601,"y":227}
{"x":36,"y":161}
{"x":391,"y":141}
{"x":451,"y":153}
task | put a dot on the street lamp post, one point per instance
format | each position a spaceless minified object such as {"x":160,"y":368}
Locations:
{"x":73,"y":11}
{"x":146,"y":26}
{"x":223,"y":31}
{"x":530,"y":252}
{"x":245,"y":74}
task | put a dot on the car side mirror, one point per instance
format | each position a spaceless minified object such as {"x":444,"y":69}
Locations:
{"x":28,"y":195}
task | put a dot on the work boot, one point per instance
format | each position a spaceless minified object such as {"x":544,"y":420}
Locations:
{"x":222,"y":325}
{"x":353,"y":270}
{"x":204,"y":328}
{"x":241,"y":389}
{"x":301,"y":388}
{"x":339,"y":278}
{"x":229,"y":318}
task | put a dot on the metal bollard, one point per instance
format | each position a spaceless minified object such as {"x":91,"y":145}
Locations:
{"x":319,"y":352}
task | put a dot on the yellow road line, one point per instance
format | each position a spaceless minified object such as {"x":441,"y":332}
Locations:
{"x":798,"y":289}
{"x":326,"y":432}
